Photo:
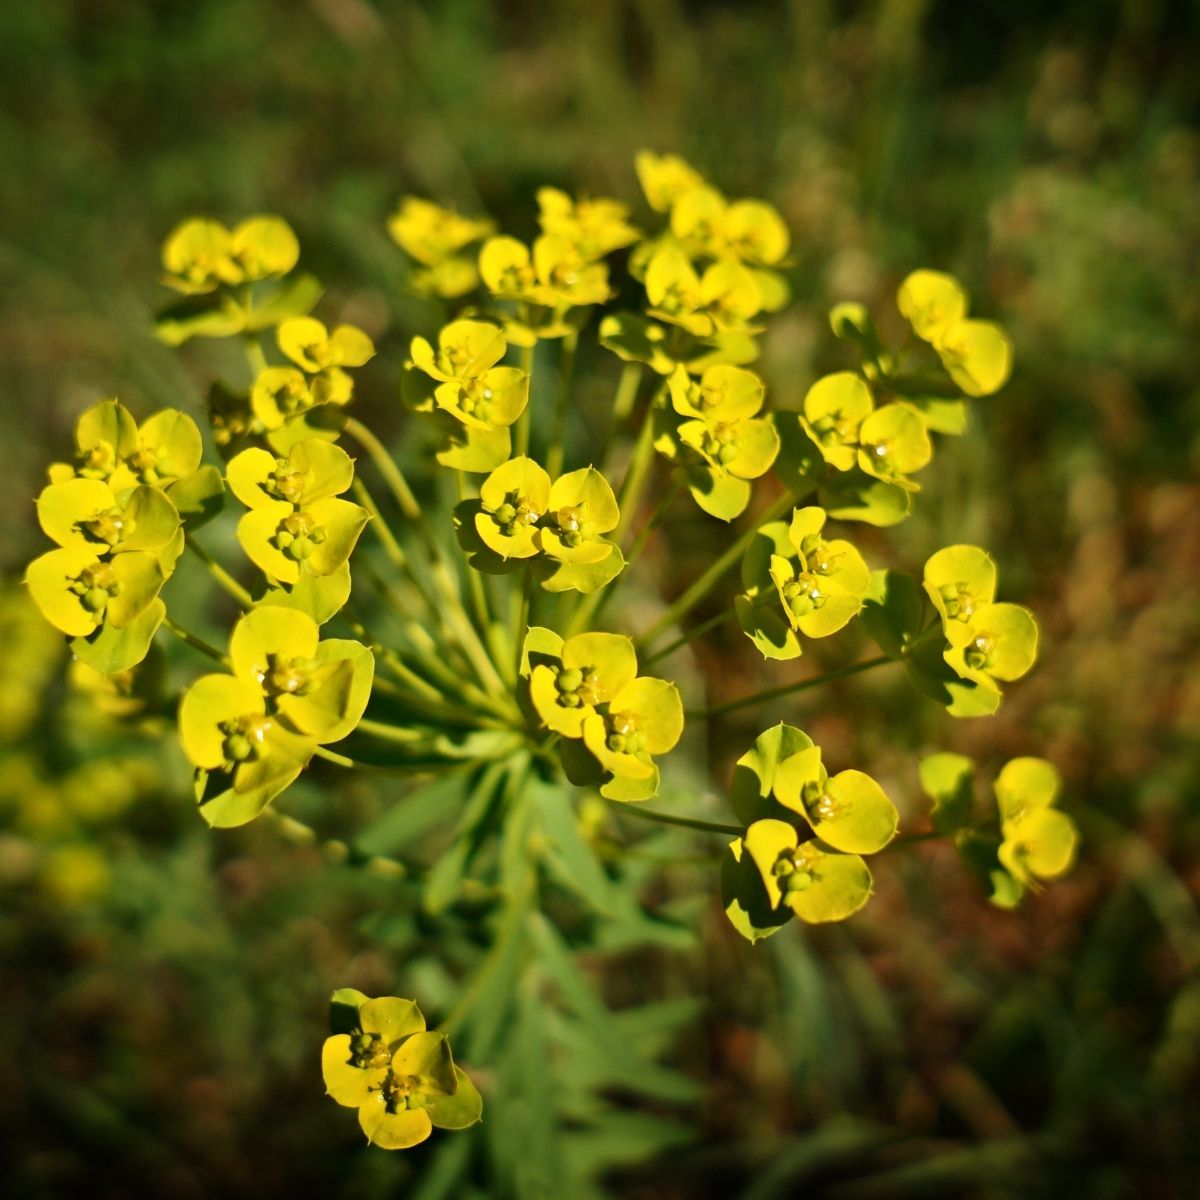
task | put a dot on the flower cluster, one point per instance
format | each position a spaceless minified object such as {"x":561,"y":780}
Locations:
{"x":481,"y":636}
{"x":806,"y":834}
{"x":250,"y":733}
{"x":1035,"y":842}
{"x":400,"y":1075}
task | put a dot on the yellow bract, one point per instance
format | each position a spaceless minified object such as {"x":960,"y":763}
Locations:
{"x":201,"y":255}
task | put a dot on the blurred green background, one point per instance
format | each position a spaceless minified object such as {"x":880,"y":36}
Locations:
{"x":163,"y":987}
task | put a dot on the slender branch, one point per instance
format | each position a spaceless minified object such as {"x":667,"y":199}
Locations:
{"x":521,"y":441}
{"x":791,"y":688}
{"x":195,"y":642}
{"x":690,"y":636}
{"x":662,"y":818}
{"x":387,"y":467}
{"x":218,"y":572}
{"x":558,"y":426}
{"x":636,"y":472}
{"x":726,"y":562}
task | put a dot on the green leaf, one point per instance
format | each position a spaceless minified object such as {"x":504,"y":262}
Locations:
{"x":320,"y":596}
{"x":343,"y":1009}
{"x":892,"y":611}
{"x":718,"y":494}
{"x":752,"y":788}
{"x":199,"y":496}
{"x":110,"y":650}
{"x":227,"y":808}
{"x":199,"y":316}
{"x":932,"y":676}
{"x":763,"y":622}
{"x":746,"y":902}
{"x":295,"y":298}
{"x":570,"y":857}
{"x":854,"y":496}
{"x":413,"y":815}
{"x":940,"y":415}
{"x":799,"y":464}
{"x":947,"y":780}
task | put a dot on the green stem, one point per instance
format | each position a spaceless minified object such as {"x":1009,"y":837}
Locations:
{"x":218,"y":572}
{"x":254,"y":354}
{"x":195,"y":642}
{"x":789,"y":689}
{"x":690,"y":636}
{"x":521,"y":627}
{"x":652,"y":524}
{"x":726,"y":562}
{"x":558,"y":427}
{"x":387,"y":539}
{"x":636,"y":472}
{"x":389,"y":733}
{"x":387,"y":467}
{"x":627,"y":390}
{"x":662,"y":818}
{"x":521,"y":441}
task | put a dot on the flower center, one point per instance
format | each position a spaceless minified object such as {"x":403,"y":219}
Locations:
{"x":245,"y":738}
{"x":299,"y":535}
{"x":515,"y":513}
{"x":978,"y":654}
{"x":368,"y":1051}
{"x":95,"y":586}
{"x":577,"y":687}
{"x":110,"y":527}
{"x":795,"y":869}
{"x":286,"y":483}
{"x":625,"y":735}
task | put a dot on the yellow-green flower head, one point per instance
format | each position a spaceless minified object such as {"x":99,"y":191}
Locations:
{"x":289,"y":692}
{"x":593,"y":692}
{"x":665,"y":178}
{"x":592,"y":669}
{"x":472,"y":388}
{"x":318,"y":688}
{"x":313,"y":348}
{"x":581,"y":509}
{"x":595,"y":226}
{"x":466,"y":351}
{"x":722,"y":394}
{"x":723,"y":429}
{"x":959,"y":580}
{"x":111,"y":446}
{"x":817,"y":885}
{"x":77,"y":591}
{"x":849,"y":812}
{"x":723,"y":299}
{"x":312,"y":470}
{"x":401,"y":1077}
{"x":931,"y":302}
{"x":87,"y":514}
{"x":822,"y":585}
{"x":554,"y":274}
{"x":513,"y":499}
{"x":201,"y":254}
{"x":834,"y":409}
{"x":432,"y":234}
{"x":996,"y":643}
{"x":1039,"y":841}
{"x":893,"y":442}
{"x":977,"y":355}
{"x":707,"y":225}
{"x":296,"y":524}
{"x":281,"y":394}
